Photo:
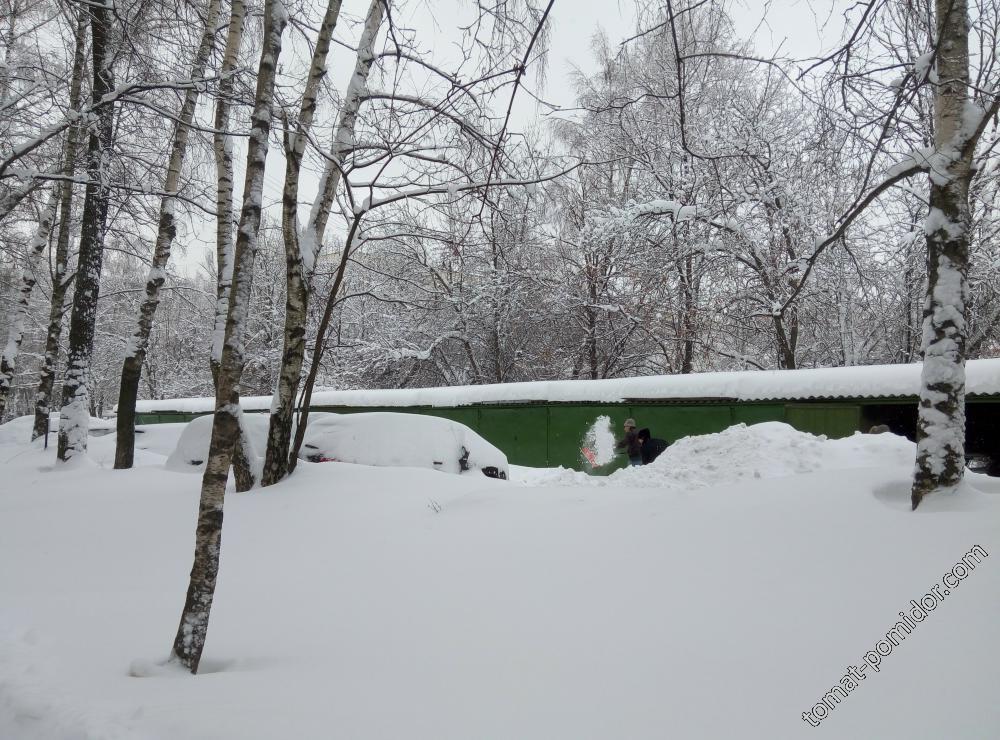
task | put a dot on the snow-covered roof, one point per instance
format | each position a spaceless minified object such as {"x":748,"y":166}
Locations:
{"x":872,"y":381}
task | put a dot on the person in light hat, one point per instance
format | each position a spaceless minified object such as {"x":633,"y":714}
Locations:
{"x":630,"y":443}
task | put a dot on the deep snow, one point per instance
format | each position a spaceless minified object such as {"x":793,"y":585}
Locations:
{"x":718,"y":593}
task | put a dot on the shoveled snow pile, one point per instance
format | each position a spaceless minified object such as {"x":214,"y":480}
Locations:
{"x":767,"y":450}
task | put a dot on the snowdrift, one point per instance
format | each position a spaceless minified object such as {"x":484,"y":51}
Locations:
{"x":767,"y":450}
{"x":18,"y":430}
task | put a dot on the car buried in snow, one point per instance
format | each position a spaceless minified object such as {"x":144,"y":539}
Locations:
{"x":385,"y":438}
{"x":979,"y":462}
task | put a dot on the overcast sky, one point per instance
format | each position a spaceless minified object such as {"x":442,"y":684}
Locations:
{"x":792,"y":28}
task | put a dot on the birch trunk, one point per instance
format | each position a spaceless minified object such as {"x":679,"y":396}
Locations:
{"x":243,"y":456}
{"x":940,"y":461}
{"x":13,"y":15}
{"x":297,"y":273}
{"x":36,"y":248}
{"x":15,"y":332}
{"x":317,"y":357}
{"x":74,"y":417}
{"x":301,"y":254}
{"x":223,"y":150}
{"x":193,"y":628}
{"x":135,"y":355}
{"x":57,"y":308}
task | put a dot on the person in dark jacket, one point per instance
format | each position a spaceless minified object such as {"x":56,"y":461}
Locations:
{"x":630,"y":444}
{"x":650,"y":447}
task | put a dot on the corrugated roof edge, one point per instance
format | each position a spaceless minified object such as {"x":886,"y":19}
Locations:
{"x":817,"y":384}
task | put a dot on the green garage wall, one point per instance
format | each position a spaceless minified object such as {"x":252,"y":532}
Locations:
{"x":521,"y":432}
{"x":673,"y":422}
{"x":832,"y":420}
{"x":755,"y":413}
{"x":553,"y":434}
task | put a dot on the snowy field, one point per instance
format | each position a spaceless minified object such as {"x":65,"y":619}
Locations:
{"x":718,"y":593}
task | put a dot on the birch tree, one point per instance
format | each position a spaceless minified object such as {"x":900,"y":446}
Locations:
{"x":961,"y":110}
{"x":301,"y":252}
{"x":16,"y":84}
{"x":958,"y":124}
{"x":15,"y":333}
{"x":222,"y":148}
{"x":166,"y":231}
{"x":60,"y":278}
{"x":193,"y":628}
{"x":74,"y":417}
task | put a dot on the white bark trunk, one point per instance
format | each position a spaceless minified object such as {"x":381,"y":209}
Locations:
{"x":343,"y":136}
{"x":223,"y":150}
{"x":193,"y":628}
{"x":47,"y":373}
{"x":301,"y":253}
{"x":940,"y":461}
{"x":166,"y":231}
{"x":15,"y":333}
{"x":74,"y":415}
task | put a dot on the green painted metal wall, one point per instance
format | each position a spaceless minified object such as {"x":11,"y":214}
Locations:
{"x":673,"y":422}
{"x":755,"y":413}
{"x":833,"y":420}
{"x":522,"y":432}
{"x":553,"y":434}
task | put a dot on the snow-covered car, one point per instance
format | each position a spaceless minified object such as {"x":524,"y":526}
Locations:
{"x":191,"y":450}
{"x":978,"y":462}
{"x":401,"y":440}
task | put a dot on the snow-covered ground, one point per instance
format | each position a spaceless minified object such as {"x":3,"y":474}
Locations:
{"x":718,"y":593}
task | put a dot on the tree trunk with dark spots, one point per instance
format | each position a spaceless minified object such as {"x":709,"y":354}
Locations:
{"x":189,"y":641}
{"x":301,"y":252}
{"x":74,"y":417}
{"x":940,"y":462}
{"x":47,"y":373}
{"x":135,"y":354}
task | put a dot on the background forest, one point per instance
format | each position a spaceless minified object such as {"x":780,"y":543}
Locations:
{"x":674,"y":244}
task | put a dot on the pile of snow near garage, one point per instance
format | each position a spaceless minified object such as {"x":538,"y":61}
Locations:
{"x":767,"y":450}
{"x":719,"y":593}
